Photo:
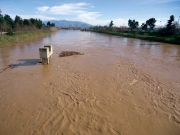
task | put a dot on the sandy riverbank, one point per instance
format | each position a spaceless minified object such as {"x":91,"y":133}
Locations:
{"x":100,"y":92}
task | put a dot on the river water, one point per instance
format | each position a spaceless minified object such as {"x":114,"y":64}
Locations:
{"x":122,"y":86}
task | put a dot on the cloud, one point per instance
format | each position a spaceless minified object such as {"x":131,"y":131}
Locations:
{"x":66,"y":10}
{"x":80,"y":10}
{"x":42,"y":9}
{"x":89,"y":15}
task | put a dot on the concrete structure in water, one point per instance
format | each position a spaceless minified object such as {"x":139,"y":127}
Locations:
{"x":46,"y":53}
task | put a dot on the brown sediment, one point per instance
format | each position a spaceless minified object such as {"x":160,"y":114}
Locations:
{"x":118,"y":89}
{"x":69,"y":53}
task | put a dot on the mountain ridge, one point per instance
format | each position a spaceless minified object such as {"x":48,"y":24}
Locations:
{"x":65,"y":23}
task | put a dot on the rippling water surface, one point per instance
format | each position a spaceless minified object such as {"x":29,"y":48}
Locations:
{"x":122,"y":86}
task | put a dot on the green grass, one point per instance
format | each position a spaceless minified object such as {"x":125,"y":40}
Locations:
{"x":151,"y":36}
{"x":22,"y":36}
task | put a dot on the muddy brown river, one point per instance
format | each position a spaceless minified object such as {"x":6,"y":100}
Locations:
{"x":120,"y":86}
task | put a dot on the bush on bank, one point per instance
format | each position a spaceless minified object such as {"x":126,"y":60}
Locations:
{"x":152,"y":36}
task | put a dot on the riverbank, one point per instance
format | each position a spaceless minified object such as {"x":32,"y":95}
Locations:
{"x":175,"y":39}
{"x":23,"y":36}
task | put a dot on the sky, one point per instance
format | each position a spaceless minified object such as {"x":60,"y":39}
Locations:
{"x":95,"y":12}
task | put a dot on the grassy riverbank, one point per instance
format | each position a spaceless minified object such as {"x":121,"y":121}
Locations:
{"x":22,"y":36}
{"x":154,"y":36}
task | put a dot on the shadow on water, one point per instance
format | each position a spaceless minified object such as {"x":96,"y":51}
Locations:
{"x":26,"y":62}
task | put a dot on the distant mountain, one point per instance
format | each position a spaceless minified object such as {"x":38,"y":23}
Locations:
{"x":64,"y":23}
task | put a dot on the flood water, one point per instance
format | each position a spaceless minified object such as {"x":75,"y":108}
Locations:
{"x":122,"y":86}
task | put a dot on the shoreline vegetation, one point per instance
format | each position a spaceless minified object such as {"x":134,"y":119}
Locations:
{"x":150,"y":36}
{"x":170,"y":33}
{"x":20,"y":30}
{"x":22,"y":36}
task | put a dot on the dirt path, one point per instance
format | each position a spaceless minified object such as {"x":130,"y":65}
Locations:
{"x":95,"y":93}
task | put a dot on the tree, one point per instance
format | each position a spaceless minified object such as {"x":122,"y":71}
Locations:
{"x":8,"y":24}
{"x":1,"y":23}
{"x":17,"y":19}
{"x":33,"y":21}
{"x":111,"y":24}
{"x":170,"y":25}
{"x":170,"y":28}
{"x":26,"y":22}
{"x":133,"y":24}
{"x":144,"y":26}
{"x":53,"y":25}
{"x":17,"y":22}
{"x":176,"y":24}
{"x":1,"y":20}
{"x":9,"y":21}
{"x":130,"y":23}
{"x":151,"y":23}
{"x":21,"y":22}
{"x":48,"y":23}
{"x":39,"y":24}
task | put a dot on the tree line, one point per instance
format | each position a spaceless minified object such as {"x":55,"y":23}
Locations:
{"x":8,"y":24}
{"x":49,"y":24}
{"x":170,"y":28}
